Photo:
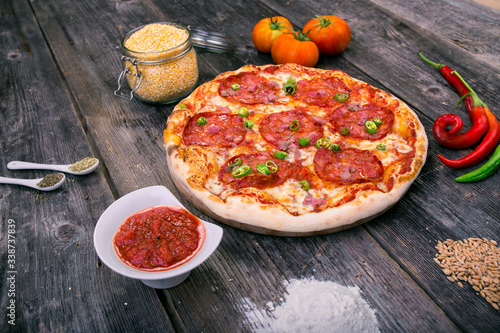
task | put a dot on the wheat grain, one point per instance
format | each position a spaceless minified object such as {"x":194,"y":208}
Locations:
{"x":474,"y":260}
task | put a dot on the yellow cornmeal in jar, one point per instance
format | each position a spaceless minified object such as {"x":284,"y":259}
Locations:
{"x":167,"y":80}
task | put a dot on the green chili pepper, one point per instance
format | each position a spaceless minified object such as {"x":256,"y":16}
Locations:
{"x":248,"y":123}
{"x":323,"y":143}
{"x":377,"y":121}
{"x":235,"y":86}
{"x":202,"y":121}
{"x":243,"y":112}
{"x":304,"y":184}
{"x":483,"y":172}
{"x":335,"y":147}
{"x":263,"y":169}
{"x":345,"y":131}
{"x":280,"y":154}
{"x":290,"y":86}
{"x":371,"y":127}
{"x":295,"y":125}
{"x":182,"y":106}
{"x":340,"y":97}
{"x":235,"y":163}
{"x":381,"y":146}
{"x":271,"y":166}
{"x":242,"y":171}
{"x":304,"y":141}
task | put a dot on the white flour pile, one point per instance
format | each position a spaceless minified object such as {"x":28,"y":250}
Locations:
{"x":315,"y":307}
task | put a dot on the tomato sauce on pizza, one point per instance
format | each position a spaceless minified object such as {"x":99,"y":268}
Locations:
{"x":291,"y":150}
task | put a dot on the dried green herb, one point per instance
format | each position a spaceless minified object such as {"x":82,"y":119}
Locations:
{"x":83,"y":165}
{"x":50,"y":180}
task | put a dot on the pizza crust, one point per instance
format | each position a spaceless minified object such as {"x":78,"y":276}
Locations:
{"x":248,"y":213}
{"x":241,"y":214}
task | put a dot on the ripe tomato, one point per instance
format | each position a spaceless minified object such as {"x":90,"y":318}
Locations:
{"x":295,"y":48}
{"x":267,"y":30}
{"x":330,"y":33}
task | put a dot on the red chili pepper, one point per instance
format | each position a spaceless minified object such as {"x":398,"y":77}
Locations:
{"x":452,"y":138}
{"x":490,"y":140}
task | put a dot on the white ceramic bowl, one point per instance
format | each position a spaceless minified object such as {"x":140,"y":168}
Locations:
{"x":113,"y":217}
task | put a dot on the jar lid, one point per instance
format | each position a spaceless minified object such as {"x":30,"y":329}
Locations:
{"x":212,"y":41}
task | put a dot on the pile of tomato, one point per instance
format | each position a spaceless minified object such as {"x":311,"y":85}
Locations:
{"x":325,"y":35}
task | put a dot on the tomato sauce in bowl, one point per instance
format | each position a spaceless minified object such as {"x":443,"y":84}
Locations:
{"x":159,"y":238}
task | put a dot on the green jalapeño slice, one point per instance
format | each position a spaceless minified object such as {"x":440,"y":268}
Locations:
{"x":304,"y":141}
{"x":232,"y":165}
{"x":323,"y":143}
{"x":304,"y":184}
{"x":202,"y":121}
{"x":290,"y":86}
{"x":247,"y":123}
{"x":271,"y":166}
{"x":371,"y":127}
{"x":340,"y":97}
{"x":241,"y":171}
{"x":335,"y":147}
{"x":243,"y":112}
{"x":267,"y":168}
{"x":280,"y":154}
{"x":263,"y":169}
{"x":295,"y":125}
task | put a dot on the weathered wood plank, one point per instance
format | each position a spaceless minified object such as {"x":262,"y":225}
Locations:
{"x":127,"y":135}
{"x":60,"y":284}
{"x":384,"y":47}
{"x":465,"y":23}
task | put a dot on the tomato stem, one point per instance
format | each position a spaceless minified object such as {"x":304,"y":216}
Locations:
{"x":323,"y":21}
{"x":301,"y":36}
{"x":274,"y":24}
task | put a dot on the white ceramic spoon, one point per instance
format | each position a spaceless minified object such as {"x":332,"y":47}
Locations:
{"x":19,"y":165}
{"x":32,"y":183}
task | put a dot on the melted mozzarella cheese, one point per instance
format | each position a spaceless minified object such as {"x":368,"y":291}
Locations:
{"x":214,"y":186}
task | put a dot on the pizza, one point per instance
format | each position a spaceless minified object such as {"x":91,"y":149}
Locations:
{"x":292,"y":150}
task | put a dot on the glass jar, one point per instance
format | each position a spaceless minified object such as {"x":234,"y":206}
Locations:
{"x":159,"y":63}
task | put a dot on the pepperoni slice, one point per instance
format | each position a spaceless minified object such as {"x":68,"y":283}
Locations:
{"x":249,"y":88}
{"x":320,"y":91}
{"x":221,"y":129}
{"x":256,"y":179}
{"x":347,"y":166}
{"x":354,"y":118}
{"x":275,"y":128}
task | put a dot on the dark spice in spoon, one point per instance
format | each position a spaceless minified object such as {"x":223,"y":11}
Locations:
{"x":50,"y":180}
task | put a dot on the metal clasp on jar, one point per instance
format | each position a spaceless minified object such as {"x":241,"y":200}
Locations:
{"x":121,"y":78}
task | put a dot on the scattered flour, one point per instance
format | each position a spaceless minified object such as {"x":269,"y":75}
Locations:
{"x":315,"y":307}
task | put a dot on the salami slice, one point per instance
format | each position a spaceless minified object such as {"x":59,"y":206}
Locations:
{"x":256,"y":179}
{"x":216,"y":129}
{"x":249,"y":88}
{"x":347,"y":166}
{"x":320,"y":91}
{"x":283,"y":130}
{"x":354,"y":118}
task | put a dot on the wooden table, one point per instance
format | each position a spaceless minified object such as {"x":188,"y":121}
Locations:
{"x":60,"y":61}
